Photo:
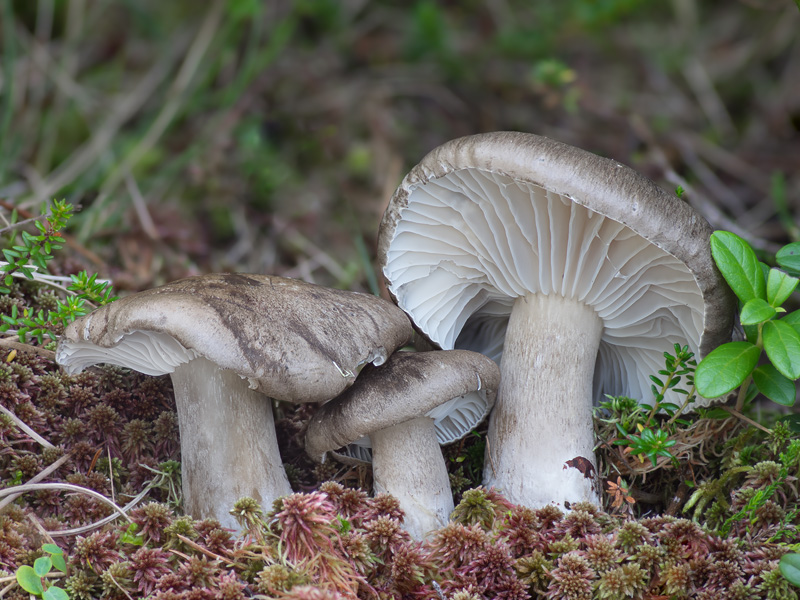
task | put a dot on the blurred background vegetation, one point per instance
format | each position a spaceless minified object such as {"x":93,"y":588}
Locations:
{"x":267,"y":136}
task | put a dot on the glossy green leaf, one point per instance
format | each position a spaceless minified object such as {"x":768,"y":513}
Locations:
{"x":756,"y":311}
{"x":29,"y":581}
{"x":57,"y":556}
{"x":59,"y":562}
{"x":52,"y":549}
{"x":738,"y":264}
{"x":55,"y":593}
{"x":789,"y":257}
{"x":782,"y":345}
{"x":780,"y":286}
{"x":774,"y":385}
{"x":793,"y":319}
{"x":725,"y":368}
{"x":42,"y":565}
{"x":790,"y":568}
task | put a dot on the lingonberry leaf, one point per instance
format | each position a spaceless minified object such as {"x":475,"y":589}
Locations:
{"x":756,"y":311}
{"x":793,"y":319}
{"x":788,"y":257}
{"x":782,"y":345}
{"x":790,"y":568}
{"x":774,"y":385}
{"x":725,"y":368}
{"x":739,"y":265}
{"x":780,"y":286}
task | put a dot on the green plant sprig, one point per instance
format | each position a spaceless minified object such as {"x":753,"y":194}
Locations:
{"x":35,"y":249}
{"x":84,"y":291}
{"x":653,"y":438}
{"x":761,"y":291}
{"x":788,"y":461}
{"x":34,"y":579}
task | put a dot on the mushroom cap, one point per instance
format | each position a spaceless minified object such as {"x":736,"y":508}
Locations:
{"x":485,"y":219}
{"x":292,"y":340}
{"x":456,"y":388}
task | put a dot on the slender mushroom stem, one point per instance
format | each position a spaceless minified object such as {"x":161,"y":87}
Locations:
{"x":225,"y":428}
{"x":543,"y":414}
{"x":408,"y":463}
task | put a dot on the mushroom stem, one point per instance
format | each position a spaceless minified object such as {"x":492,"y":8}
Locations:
{"x":225,"y":428}
{"x":543,"y":415}
{"x":407,"y":462}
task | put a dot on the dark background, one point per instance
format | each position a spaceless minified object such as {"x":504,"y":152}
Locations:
{"x":268,"y":136}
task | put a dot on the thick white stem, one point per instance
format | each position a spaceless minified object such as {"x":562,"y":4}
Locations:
{"x":228,"y":443}
{"x":407,"y":462}
{"x":540,"y":440}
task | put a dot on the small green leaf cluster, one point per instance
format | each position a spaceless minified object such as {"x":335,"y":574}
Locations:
{"x":35,"y":249}
{"x":789,"y":461}
{"x":129,"y":536}
{"x":29,"y":259}
{"x":651,"y":443}
{"x":641,"y":431}
{"x":761,"y":291}
{"x":34,"y":579}
{"x":753,"y":492}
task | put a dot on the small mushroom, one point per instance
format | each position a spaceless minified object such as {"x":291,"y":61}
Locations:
{"x":573,"y":270}
{"x":407,"y":407}
{"x":229,"y":341}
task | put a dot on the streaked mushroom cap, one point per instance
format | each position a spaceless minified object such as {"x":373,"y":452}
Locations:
{"x":456,"y":389}
{"x":486,"y":219}
{"x":293,"y":341}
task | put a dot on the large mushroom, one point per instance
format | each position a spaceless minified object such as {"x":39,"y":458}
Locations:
{"x":403,"y":410}
{"x":573,"y":270}
{"x":230,"y":341}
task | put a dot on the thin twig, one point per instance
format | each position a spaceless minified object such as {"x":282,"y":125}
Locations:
{"x":746,"y":419}
{"x":19,"y":224}
{"x":140,"y":206}
{"x":13,"y":344}
{"x":36,"y":479}
{"x":114,"y":581}
{"x":26,"y":429}
{"x":101,"y":522}
{"x":66,"y":487}
{"x":207,"y":552}
{"x":111,"y":473}
{"x":38,"y":524}
{"x":699,"y":201}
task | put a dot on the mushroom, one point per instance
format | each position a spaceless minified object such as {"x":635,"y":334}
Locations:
{"x":228,"y":341}
{"x":407,"y":407}
{"x":572,"y":270}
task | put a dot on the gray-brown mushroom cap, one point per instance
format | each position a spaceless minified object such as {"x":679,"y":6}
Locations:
{"x":397,"y":406}
{"x":292,"y":340}
{"x":486,"y":219}
{"x":408,"y":386}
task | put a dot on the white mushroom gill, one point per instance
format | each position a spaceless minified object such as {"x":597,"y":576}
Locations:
{"x":451,"y":421}
{"x":459,"y":260}
{"x":143,"y":351}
